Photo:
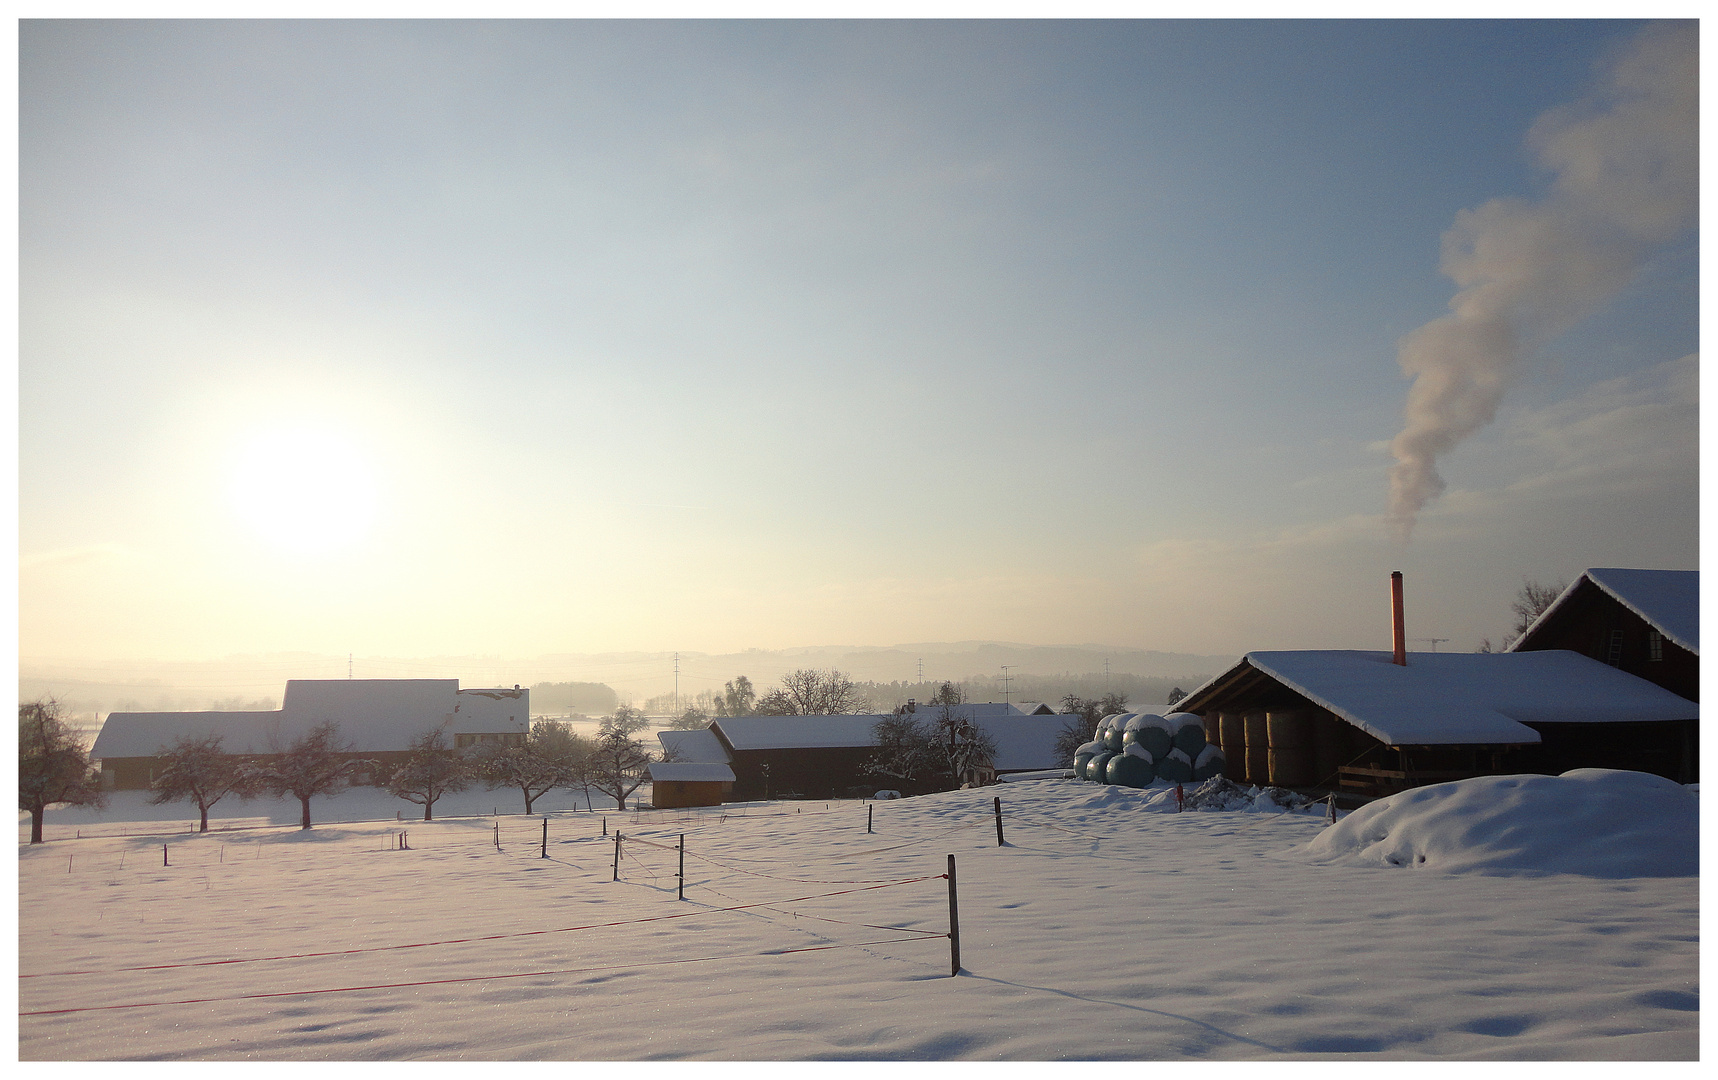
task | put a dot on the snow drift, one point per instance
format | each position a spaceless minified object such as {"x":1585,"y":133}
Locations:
{"x":1601,"y":823}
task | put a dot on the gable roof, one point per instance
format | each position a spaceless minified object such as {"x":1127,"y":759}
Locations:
{"x":1457,"y":698}
{"x":1669,"y":601}
{"x":798,"y":732}
{"x":375,"y":715}
{"x":697,"y":744}
{"x":1022,"y":742}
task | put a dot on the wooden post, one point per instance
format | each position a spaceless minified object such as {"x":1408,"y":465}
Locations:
{"x":682,"y":888}
{"x":545,"y":838}
{"x":605,"y":824}
{"x":997,"y":802}
{"x":953,"y":924}
{"x":1330,"y":809}
{"x":497,"y":836}
{"x":868,"y":812}
{"x":616,"y":857}
{"x":163,"y":854}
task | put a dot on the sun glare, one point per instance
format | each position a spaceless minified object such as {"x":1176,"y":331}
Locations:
{"x":304,"y":491}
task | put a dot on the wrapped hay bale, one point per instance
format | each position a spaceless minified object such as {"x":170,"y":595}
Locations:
{"x":1110,"y":731}
{"x":1082,"y":757}
{"x":1152,"y":732}
{"x":1187,"y":732}
{"x":1097,"y":766}
{"x":1130,"y":770}
{"x":1175,"y":767}
{"x":1210,"y":763}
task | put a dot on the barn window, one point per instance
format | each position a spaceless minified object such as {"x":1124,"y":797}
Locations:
{"x":1654,"y":646}
{"x":1614,"y":656}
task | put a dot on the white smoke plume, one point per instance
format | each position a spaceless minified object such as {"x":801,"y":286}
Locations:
{"x":1625,"y":163}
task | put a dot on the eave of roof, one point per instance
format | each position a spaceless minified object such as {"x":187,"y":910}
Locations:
{"x":1654,"y":595}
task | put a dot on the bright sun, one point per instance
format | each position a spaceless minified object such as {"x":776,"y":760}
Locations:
{"x":304,"y":490}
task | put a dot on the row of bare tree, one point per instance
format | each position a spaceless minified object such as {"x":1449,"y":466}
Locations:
{"x":54,"y":766}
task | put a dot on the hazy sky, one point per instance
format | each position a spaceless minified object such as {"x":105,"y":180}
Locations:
{"x":519,"y":338}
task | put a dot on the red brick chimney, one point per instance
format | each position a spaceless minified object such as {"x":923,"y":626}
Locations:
{"x":1398,"y":633}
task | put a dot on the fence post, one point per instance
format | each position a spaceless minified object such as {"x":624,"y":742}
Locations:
{"x":545,"y":838}
{"x":497,"y":836}
{"x":682,"y":889}
{"x":953,"y":924}
{"x":1178,"y":805}
{"x":868,"y":812}
{"x":1330,"y":809}
{"x":163,"y":854}
{"x":998,"y":804}
{"x":616,"y":857}
{"x":605,"y":824}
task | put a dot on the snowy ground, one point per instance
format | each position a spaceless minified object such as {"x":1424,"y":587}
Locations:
{"x":1109,"y":927}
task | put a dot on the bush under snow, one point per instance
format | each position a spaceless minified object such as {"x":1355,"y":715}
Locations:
{"x":1603,"y":823}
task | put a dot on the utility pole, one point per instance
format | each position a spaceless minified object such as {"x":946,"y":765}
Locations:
{"x":348,"y":666}
{"x":676,"y":684}
{"x":1005,"y":684}
{"x":921,"y":669}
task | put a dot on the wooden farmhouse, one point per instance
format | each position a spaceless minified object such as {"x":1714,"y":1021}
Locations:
{"x":1646,"y":622}
{"x":820,"y":757}
{"x":1362,"y":723}
{"x":378,"y":718}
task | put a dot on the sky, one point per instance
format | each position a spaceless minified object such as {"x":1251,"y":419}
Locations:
{"x":520,"y":338}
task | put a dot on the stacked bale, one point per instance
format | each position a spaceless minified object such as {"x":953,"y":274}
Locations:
{"x":1154,"y":747}
{"x":1232,"y":737}
{"x":1289,"y":736}
{"x":1257,"y":769}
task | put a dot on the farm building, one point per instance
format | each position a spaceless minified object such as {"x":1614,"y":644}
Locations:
{"x":379,"y":718}
{"x":826,"y":756}
{"x":1646,"y":622}
{"x":1375,"y":722}
{"x":689,"y":783}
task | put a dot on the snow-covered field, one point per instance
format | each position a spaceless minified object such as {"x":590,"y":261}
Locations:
{"x":1109,"y":927}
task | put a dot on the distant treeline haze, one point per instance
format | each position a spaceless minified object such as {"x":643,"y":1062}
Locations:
{"x":567,"y":698}
{"x":1145,"y":693}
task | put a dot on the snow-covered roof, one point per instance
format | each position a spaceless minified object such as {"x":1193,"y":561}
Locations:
{"x":1669,"y":601}
{"x":699,"y":744}
{"x":798,"y":732}
{"x":689,"y":771}
{"x":1453,"y":698}
{"x":375,"y":715}
{"x":1024,"y":742}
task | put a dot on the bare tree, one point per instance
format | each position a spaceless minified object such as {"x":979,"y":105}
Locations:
{"x":1082,"y":725}
{"x":690,"y":720}
{"x":906,"y":751}
{"x":966,"y":747}
{"x":431,"y":770}
{"x":809,"y":692}
{"x":617,"y":761}
{"x":1530,"y":603}
{"x":317,"y":764}
{"x":548,"y":759}
{"x":53,"y":764}
{"x":198,"y":771}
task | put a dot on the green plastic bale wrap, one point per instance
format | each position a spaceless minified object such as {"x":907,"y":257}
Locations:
{"x":1096,"y":768}
{"x":1175,"y":767}
{"x":1208,"y":764}
{"x":1112,"y":739}
{"x":1129,"y":770}
{"x":1188,"y":733}
{"x":1150,"y":733}
{"x":1080,"y":762}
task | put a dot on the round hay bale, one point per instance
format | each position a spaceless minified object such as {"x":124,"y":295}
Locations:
{"x":1257,"y":766}
{"x":1095,"y":768}
{"x":1175,"y":767}
{"x":1080,"y":761}
{"x":1187,"y":732}
{"x":1213,"y":737}
{"x":1210,"y":763}
{"x":1288,"y":729}
{"x":1112,"y":740}
{"x":1231,"y":727}
{"x":1129,"y":770}
{"x":1152,"y":732}
{"x":1257,"y":734}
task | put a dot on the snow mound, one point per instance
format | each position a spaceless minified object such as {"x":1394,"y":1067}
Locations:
{"x":1603,"y":823}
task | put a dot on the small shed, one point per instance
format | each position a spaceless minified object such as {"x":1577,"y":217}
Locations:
{"x":689,"y":783}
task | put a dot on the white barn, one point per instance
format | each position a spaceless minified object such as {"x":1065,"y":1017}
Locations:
{"x":379,"y":718}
